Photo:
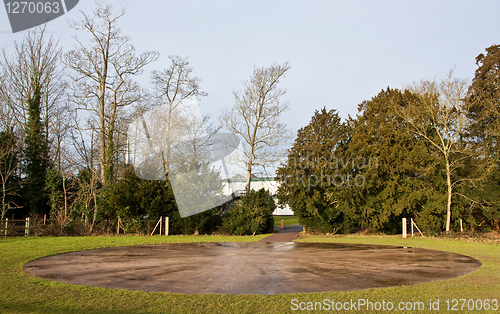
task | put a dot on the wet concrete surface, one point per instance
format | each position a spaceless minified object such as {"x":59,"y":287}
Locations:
{"x":251,"y":268}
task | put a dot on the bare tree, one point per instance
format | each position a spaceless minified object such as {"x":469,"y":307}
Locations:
{"x":35,"y":64}
{"x":62,"y":176}
{"x":440,"y":117}
{"x":88,"y":178}
{"x":9,"y":166}
{"x":172,"y":86}
{"x":32,"y":88}
{"x":103,"y":73}
{"x":256,"y":117}
{"x":8,"y":120}
{"x":10,"y":156}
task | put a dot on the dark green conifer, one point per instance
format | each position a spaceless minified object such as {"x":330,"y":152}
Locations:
{"x":36,"y":157}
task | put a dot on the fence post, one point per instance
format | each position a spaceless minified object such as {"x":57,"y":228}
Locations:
{"x":118,"y":226}
{"x":161,"y":220}
{"x":156,"y":226}
{"x":6,"y":225}
{"x":27,"y":227}
{"x":404,"y":228}
{"x":166,"y":226}
{"x":418,"y":229}
{"x":461,"y":226}
{"x":411,"y":219}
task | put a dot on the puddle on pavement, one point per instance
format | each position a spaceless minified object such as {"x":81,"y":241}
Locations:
{"x":252,"y":268}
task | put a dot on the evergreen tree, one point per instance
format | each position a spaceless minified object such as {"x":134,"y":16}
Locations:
{"x":252,"y":214}
{"x":31,"y":88}
{"x":480,"y":205}
{"x":484,"y":97}
{"x":36,"y":157}
{"x":368,"y":172}
{"x":311,"y":173}
{"x":53,"y":186}
{"x":132,"y":198}
{"x":395,"y":172}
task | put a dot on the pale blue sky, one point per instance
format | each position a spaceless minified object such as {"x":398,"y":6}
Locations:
{"x":340,"y":52}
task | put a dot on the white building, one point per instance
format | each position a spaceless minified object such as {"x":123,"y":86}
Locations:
{"x":269,"y":184}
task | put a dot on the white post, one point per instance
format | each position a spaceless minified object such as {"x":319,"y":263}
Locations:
{"x":411,"y":219}
{"x":166,"y":226}
{"x":404,"y":228}
{"x":27,"y":227}
{"x":461,"y":226}
{"x":161,"y":219}
{"x":6,"y":225}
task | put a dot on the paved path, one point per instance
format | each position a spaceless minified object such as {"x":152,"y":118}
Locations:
{"x":288,"y":234}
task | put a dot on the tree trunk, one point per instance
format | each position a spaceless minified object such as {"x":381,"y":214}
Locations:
{"x":249,"y":170}
{"x":110,"y":149}
{"x":249,"y":177}
{"x":102,"y":140}
{"x":450,"y":191}
{"x":496,"y":225}
{"x":95,"y":208}
{"x":65,"y":198}
{"x":4,"y":210}
{"x":252,"y":147}
{"x":102,"y":106}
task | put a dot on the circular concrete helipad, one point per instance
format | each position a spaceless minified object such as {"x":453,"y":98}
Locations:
{"x":252,"y":268}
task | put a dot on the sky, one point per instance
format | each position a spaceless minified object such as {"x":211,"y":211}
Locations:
{"x":340,"y":52}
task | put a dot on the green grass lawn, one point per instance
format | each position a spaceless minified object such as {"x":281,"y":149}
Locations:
{"x":289,"y":220}
{"x":23,"y":293}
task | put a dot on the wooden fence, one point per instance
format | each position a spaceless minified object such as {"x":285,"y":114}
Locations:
{"x":412,"y":226}
{"x":23,"y":227}
{"x":127,"y":226}
{"x":15,"y":227}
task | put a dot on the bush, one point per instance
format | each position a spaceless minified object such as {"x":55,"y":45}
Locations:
{"x":252,"y":214}
{"x":202,"y":223}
